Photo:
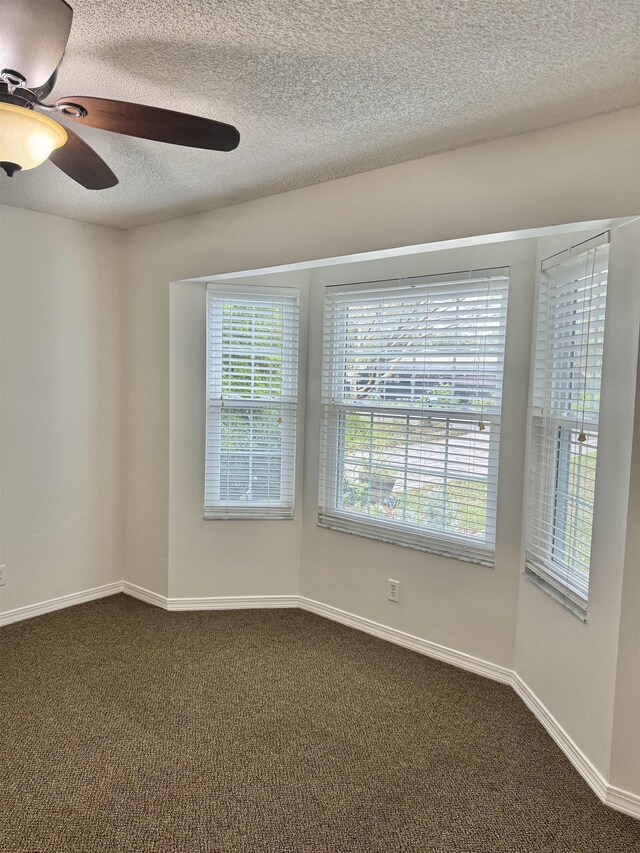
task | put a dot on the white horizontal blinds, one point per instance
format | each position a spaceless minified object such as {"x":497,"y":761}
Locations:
{"x":412,"y":387}
{"x":564,"y":431}
{"x":252,"y":373}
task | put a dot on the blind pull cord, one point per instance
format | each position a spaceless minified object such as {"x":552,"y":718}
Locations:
{"x":481,"y":423}
{"x":582,"y":435}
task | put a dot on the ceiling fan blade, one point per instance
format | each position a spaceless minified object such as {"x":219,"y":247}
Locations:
{"x":153,"y":123}
{"x":33,"y":37}
{"x":80,"y":162}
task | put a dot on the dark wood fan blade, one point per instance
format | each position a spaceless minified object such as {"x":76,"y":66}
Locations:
{"x":154,"y":123}
{"x":33,"y":36}
{"x":80,"y":162}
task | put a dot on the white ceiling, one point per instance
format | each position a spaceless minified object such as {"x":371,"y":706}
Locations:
{"x":320,"y":89}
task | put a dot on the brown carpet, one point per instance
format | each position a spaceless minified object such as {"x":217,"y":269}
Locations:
{"x":126,"y":728}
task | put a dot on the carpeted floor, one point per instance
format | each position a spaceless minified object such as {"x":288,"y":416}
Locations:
{"x":127,"y":728}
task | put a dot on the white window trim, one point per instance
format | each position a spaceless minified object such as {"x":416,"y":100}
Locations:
{"x":562,"y":584}
{"x":440,"y":543}
{"x":286,"y":406}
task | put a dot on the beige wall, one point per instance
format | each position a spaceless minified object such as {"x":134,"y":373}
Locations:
{"x":62,"y":363}
{"x":570,"y":665}
{"x":456,"y":604}
{"x":625,"y":756}
{"x":565,"y":174}
{"x":204,"y":557}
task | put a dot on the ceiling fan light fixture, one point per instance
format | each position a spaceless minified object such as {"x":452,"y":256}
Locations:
{"x":33,"y":39}
{"x":27,"y":138}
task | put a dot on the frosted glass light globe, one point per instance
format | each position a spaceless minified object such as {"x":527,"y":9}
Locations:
{"x":27,"y":138}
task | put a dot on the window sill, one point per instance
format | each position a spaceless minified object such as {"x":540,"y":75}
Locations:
{"x":285,"y":515}
{"x":439,"y":549}
{"x":577,"y":610}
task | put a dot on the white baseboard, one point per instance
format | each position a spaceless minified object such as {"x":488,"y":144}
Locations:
{"x":219,"y":602}
{"x":29,"y":611}
{"x":623,"y":801}
{"x":617,"y":798}
{"x":409,"y":641}
{"x":145,"y":595}
{"x":583,"y":765}
{"x":233,"y":602}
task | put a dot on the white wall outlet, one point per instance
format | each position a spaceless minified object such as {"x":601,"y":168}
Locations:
{"x":393,"y":590}
{"x":3,"y":574}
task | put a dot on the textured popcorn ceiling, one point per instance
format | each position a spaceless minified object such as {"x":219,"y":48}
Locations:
{"x":320,"y":89}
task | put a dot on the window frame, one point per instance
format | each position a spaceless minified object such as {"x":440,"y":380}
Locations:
{"x":331,"y":514}
{"x":285,"y":407}
{"x":554,"y":572}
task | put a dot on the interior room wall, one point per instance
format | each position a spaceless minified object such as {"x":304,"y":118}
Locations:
{"x":570,"y":665}
{"x":62,"y":383}
{"x":625,"y":752}
{"x":569,"y":173}
{"x":459,"y":605}
{"x":221,"y":558}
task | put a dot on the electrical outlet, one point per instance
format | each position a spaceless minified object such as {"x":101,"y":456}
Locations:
{"x":393,"y":590}
{"x":3,"y":574}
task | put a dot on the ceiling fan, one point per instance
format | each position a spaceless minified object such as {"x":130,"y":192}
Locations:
{"x":33,"y":38}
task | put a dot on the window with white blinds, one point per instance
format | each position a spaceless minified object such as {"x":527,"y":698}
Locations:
{"x":252,"y":375}
{"x":411,"y":399}
{"x":564,"y":431}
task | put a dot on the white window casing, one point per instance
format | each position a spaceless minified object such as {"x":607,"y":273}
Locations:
{"x":411,"y":403}
{"x":252,"y":400}
{"x":563,"y":445}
